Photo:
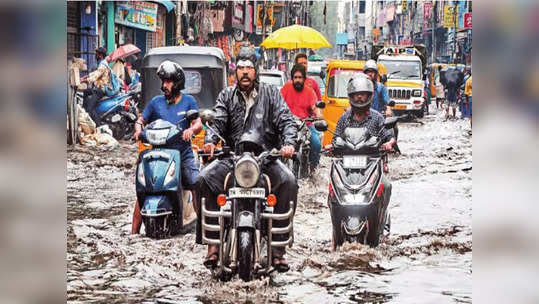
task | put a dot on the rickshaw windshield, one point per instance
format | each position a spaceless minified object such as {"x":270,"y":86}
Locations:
{"x":204,"y":84}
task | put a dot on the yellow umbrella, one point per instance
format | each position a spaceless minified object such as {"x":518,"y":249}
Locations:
{"x":295,"y":37}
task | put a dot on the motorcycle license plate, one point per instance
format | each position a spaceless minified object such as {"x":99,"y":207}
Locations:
{"x":247,"y":193}
{"x":399,"y":107}
{"x":355,"y":162}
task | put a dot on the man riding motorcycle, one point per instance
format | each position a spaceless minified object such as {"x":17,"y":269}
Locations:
{"x":172,"y":107}
{"x":250,"y":106}
{"x":380,"y":99}
{"x":301,"y":101}
{"x":360,"y":91}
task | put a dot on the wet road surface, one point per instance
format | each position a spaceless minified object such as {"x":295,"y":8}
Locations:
{"x":426,"y":259}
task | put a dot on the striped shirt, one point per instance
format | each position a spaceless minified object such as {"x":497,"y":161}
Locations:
{"x":374,"y":122}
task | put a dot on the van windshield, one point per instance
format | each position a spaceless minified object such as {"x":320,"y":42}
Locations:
{"x":337,"y":82}
{"x":402,"y":69}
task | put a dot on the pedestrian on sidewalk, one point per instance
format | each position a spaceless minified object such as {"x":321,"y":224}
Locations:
{"x":440,"y":90}
{"x":468,"y":94}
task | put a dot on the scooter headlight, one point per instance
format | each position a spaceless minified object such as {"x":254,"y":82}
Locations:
{"x":247,"y":172}
{"x":140,"y":174}
{"x":170,"y":173}
{"x":157,"y":137}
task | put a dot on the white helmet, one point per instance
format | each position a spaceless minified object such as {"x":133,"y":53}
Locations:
{"x":360,"y":83}
{"x":370,"y":65}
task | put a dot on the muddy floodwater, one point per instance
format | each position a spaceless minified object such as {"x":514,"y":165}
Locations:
{"x":426,"y":259}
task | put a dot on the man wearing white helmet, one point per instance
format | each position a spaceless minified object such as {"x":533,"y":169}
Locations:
{"x":360,"y":91}
{"x":380,"y":97}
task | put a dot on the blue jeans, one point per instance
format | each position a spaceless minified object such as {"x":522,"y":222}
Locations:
{"x":316,"y":146}
{"x":189,"y":169}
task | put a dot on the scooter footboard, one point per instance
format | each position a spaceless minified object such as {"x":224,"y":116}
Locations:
{"x":281,"y":230}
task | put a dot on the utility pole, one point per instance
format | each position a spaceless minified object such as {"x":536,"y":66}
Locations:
{"x":433,"y":18}
{"x":455,"y":32}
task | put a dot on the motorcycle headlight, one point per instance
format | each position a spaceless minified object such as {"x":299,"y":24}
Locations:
{"x":157,"y":137}
{"x":140,"y":174}
{"x":416,"y":93}
{"x":170,"y":173}
{"x":246,"y":172}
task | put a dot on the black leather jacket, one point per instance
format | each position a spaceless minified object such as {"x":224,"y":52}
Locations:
{"x":269,"y":117}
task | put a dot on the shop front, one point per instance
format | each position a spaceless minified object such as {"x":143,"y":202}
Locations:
{"x":144,"y":24}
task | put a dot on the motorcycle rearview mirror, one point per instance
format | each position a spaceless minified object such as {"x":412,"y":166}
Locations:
{"x":207,"y":116}
{"x":383,"y":79}
{"x":321,"y":125}
{"x":391,"y":103}
{"x":191,"y":115}
{"x":320,"y":104}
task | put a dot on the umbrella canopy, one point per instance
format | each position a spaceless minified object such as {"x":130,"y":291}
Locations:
{"x":295,"y":37}
{"x":123,"y":51}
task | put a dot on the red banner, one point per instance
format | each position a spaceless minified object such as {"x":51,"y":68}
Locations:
{"x":427,"y":10}
{"x":468,"y":20}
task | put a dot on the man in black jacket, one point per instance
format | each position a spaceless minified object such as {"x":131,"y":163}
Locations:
{"x":251,"y":107}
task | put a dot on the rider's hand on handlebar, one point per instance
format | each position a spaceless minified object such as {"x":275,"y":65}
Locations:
{"x":136,"y":136}
{"x":388,"y":146}
{"x":287,"y":151}
{"x":209,"y":148}
{"x":187,"y":134}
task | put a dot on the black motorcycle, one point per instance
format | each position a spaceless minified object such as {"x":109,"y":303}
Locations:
{"x":300,"y":165}
{"x":246,"y":211}
{"x":359,"y":193}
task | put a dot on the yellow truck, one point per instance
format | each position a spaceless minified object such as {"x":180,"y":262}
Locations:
{"x":405,"y":66}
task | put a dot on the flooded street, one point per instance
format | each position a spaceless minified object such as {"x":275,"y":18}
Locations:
{"x":426,"y":259}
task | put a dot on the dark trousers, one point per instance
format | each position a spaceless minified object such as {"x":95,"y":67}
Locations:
{"x":211,"y":183}
{"x":91,"y":100}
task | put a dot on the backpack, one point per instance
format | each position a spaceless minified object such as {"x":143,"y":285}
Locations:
{"x":114,"y":82}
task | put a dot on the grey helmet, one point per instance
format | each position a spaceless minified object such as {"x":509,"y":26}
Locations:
{"x":370,"y":65}
{"x":360,"y":83}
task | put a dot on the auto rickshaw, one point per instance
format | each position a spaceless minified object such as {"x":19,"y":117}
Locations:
{"x":338,"y":74}
{"x":205,"y":75}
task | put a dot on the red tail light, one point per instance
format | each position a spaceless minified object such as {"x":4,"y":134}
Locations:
{"x":417,"y":102}
{"x":331,"y":192}
{"x":126,"y":104}
{"x":380,"y":190}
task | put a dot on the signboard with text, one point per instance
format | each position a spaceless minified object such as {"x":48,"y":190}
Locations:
{"x":468,"y":20}
{"x":449,"y":16}
{"x":427,"y":10}
{"x":142,"y":15}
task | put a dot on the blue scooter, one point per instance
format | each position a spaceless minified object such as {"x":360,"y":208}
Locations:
{"x":120,"y":112}
{"x":166,"y":209}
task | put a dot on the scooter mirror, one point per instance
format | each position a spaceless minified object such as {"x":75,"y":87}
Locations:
{"x":339,"y":142}
{"x":191,"y":115}
{"x":320,"y":104}
{"x":207,"y":116}
{"x":391,"y":103}
{"x":383,"y":79}
{"x":321,"y":125}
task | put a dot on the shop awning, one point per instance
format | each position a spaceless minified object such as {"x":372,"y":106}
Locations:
{"x":169,"y":5}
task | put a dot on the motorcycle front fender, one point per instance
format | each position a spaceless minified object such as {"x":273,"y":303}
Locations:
{"x":246,"y":219}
